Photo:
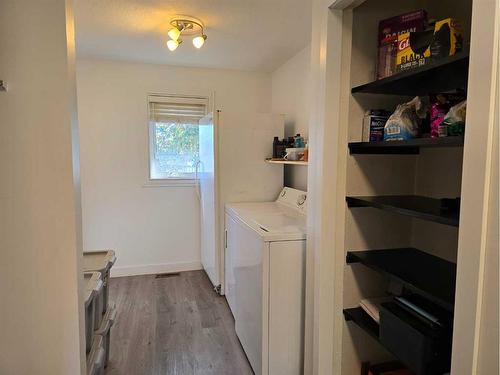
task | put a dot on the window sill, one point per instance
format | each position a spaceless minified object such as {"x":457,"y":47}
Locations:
{"x":170,"y":183}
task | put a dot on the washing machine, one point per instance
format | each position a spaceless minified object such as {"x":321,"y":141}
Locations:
{"x":265,"y":253}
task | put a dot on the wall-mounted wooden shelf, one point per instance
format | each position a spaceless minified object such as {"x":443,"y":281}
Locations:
{"x":425,"y":274}
{"x":410,"y":147}
{"x":424,"y":208}
{"x":287,"y":162}
{"x":442,"y":75}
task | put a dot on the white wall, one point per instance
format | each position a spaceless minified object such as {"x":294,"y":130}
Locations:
{"x":291,"y":95}
{"x":40,"y":232}
{"x":153,"y":229}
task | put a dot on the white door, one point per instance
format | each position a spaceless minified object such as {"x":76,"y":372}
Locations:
{"x":207,"y":184}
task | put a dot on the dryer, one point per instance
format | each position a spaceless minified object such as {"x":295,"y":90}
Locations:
{"x":265,"y":245}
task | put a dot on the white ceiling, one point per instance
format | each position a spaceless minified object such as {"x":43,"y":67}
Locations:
{"x":256,"y":35}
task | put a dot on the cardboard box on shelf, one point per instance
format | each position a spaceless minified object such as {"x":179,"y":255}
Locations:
{"x":389,"y":30}
{"x":373,"y":125}
{"x":419,"y":48}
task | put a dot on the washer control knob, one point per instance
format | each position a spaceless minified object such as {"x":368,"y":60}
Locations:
{"x":301,"y":200}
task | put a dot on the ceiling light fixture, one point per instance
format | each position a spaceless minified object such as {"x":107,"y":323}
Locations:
{"x":199,"y":41}
{"x":174,"y":33}
{"x":173,"y":44}
{"x":186,"y":26}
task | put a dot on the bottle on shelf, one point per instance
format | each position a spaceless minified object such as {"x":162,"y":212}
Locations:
{"x":298,"y":141}
{"x":276,"y":142}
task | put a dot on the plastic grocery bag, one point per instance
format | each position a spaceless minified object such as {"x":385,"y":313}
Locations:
{"x":455,"y":119}
{"x":405,"y":122}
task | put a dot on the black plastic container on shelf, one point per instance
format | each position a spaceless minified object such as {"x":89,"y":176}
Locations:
{"x":276,"y":142}
{"x":279,"y":148}
{"x":423,"y":344}
{"x":386,"y":368}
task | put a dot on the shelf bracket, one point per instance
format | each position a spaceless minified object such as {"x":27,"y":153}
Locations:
{"x":347,"y":317}
{"x":355,"y":203}
{"x":351,"y":258}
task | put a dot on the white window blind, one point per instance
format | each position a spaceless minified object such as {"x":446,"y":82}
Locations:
{"x":164,"y":108}
{"x":173,"y":135}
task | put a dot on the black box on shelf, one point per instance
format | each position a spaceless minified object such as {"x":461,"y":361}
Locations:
{"x":386,"y":368}
{"x":424,"y":348}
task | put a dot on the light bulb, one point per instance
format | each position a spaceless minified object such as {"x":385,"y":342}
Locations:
{"x":199,"y":41}
{"x":174,"y":33}
{"x":173,"y":44}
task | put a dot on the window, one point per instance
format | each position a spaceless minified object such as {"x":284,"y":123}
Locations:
{"x":173,"y":135}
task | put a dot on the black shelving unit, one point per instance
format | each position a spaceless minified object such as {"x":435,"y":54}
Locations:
{"x":445,"y":74}
{"x":363,"y":320}
{"x":420,"y":272}
{"x":420,"y":207}
{"x":410,"y":147}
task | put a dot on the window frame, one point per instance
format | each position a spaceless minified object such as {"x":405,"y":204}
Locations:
{"x":170,"y":181}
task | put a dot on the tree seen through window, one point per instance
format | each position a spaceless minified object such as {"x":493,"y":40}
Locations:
{"x":176,"y":148}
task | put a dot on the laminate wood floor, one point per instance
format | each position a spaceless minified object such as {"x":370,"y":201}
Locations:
{"x":175,"y":325}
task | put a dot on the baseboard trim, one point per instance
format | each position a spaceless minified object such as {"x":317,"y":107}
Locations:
{"x":151,"y":269}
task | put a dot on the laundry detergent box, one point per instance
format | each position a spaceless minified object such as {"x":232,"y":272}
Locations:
{"x":388,"y":32}
{"x":419,"y":48}
{"x":373,"y":125}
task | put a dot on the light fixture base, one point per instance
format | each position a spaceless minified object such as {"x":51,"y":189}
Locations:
{"x":189,"y":25}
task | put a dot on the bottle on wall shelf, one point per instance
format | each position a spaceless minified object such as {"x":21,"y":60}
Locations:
{"x":298,"y":141}
{"x":306,"y":152}
{"x":276,"y":142}
{"x":279,"y":147}
{"x":291,"y":148}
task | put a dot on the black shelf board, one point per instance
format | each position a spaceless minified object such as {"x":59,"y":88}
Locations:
{"x":410,"y":205}
{"x":410,"y":147}
{"x":441,"y":75}
{"x":420,"y":272}
{"x":363,"y":320}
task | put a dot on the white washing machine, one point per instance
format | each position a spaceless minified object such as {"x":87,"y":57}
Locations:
{"x":265,"y":280}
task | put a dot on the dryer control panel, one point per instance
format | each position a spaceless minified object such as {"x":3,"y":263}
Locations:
{"x":293,"y":198}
